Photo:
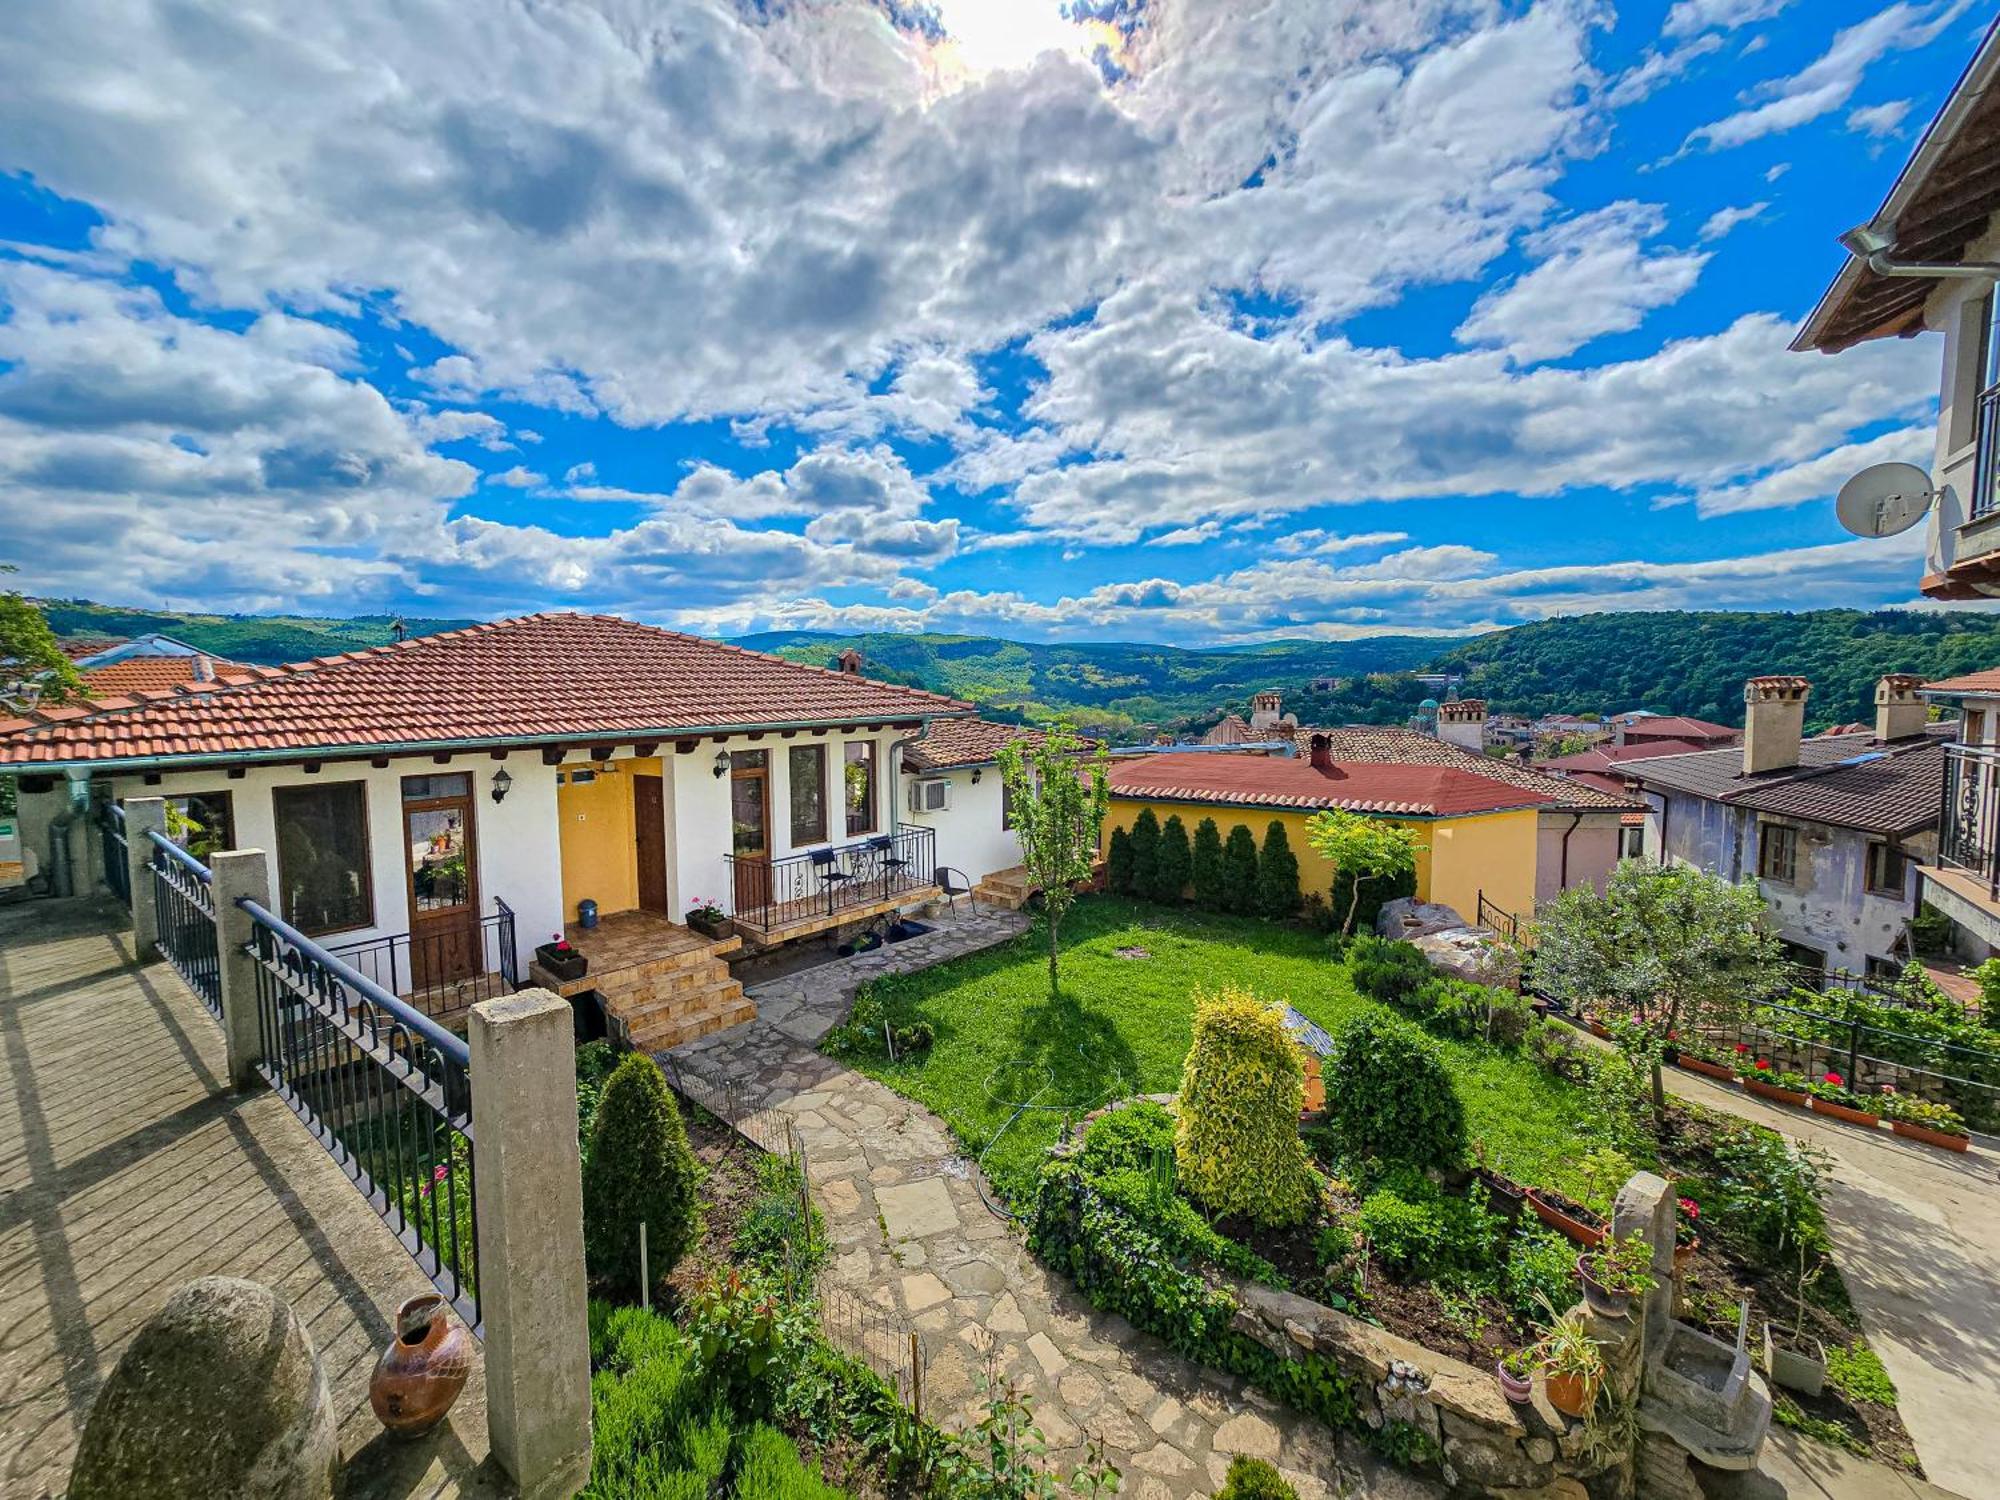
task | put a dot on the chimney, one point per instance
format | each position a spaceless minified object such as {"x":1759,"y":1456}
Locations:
{"x":1265,"y":710}
{"x":204,"y":670}
{"x":1774,"y":718}
{"x":849,"y":661}
{"x":1462,"y":722}
{"x":1321,"y":751}
{"x":1899,"y":713}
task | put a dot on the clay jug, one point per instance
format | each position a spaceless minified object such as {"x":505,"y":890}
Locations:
{"x":424,"y":1368}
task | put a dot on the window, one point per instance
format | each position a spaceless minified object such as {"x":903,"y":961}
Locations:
{"x":1886,"y":866}
{"x":1631,"y":842}
{"x":323,"y":879}
{"x":1973,"y":730}
{"x":203,"y":823}
{"x":808,"y":777}
{"x":1810,"y":960}
{"x":1986,"y":372}
{"x":1778,"y":853}
{"x":859,"y":780}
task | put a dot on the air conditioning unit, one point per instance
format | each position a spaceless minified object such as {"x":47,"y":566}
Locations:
{"x":932,"y":794}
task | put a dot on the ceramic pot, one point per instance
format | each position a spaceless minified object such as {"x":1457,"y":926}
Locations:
{"x":424,"y":1368}
{"x":1571,"y":1395}
{"x":1929,"y":1137}
{"x":1772,"y":1091}
{"x":1601,"y":1299}
{"x":1519,"y":1389}
{"x":1801,"y":1370}
{"x":1565,"y":1223}
{"x":1706,"y":1069}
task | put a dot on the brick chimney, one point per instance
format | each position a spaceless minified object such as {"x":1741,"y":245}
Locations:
{"x":1899,"y":713}
{"x":1265,"y":710}
{"x":849,"y":661}
{"x":1462,"y":722}
{"x":1774,"y":719}
{"x":1321,"y":753}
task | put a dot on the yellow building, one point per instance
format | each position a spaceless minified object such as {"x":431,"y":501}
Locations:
{"x":1479,"y":833}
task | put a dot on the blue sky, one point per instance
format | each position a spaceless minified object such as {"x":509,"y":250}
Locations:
{"x":1184,"y":320}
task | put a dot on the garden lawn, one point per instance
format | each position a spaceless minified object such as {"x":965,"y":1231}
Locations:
{"x":1124,"y":1025}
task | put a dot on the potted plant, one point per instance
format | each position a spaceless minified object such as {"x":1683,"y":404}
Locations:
{"x":1572,"y":1364}
{"x":1516,"y":1372}
{"x":1766,"y":1082}
{"x":1508,"y":1194}
{"x":1699,"y":1057}
{"x":708,"y":919}
{"x":1830,"y":1095}
{"x":560,"y":961}
{"x":1799,"y":1364}
{"x":1566,"y":1216}
{"x":1615,"y":1273}
{"x":1687,"y":1215}
{"x":1920,"y":1120}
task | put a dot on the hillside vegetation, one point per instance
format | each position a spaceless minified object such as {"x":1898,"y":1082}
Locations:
{"x":260,"y":640}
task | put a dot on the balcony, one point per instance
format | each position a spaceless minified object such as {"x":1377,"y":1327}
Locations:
{"x":1964,"y":884}
{"x":777,"y":900}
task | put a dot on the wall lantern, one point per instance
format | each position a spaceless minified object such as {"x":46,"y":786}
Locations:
{"x":502,"y":784}
{"x":721,"y":764}
{"x":975,"y":775}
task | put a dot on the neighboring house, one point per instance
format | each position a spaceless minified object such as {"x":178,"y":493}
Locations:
{"x":1232,"y":730}
{"x":1657,"y":729}
{"x":406,"y":792}
{"x":955,"y":787}
{"x":1964,"y":880}
{"x":1927,"y":262}
{"x":142,"y":664}
{"x":1267,"y":721}
{"x":1605,"y":766}
{"x":1832,"y":828}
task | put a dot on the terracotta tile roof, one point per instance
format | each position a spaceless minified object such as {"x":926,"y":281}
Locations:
{"x":146,"y":674}
{"x":953,"y":743}
{"x":1292,"y":782}
{"x":78,"y":647}
{"x":1679,"y":727}
{"x":1362,"y":742}
{"x":1971,"y":682}
{"x":539,"y":678}
{"x":1603,"y":758}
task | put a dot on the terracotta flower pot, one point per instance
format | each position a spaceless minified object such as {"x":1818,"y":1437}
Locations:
{"x":1773,"y":1092}
{"x":1821,"y":1106}
{"x":1563,"y":1222}
{"x":1706,"y":1069}
{"x":424,"y":1368}
{"x":1519,"y":1389}
{"x":1572,"y":1395}
{"x":1930,"y":1137}
{"x":1684,"y":1255}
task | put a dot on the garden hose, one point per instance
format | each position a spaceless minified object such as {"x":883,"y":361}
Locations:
{"x":1117,"y":1089}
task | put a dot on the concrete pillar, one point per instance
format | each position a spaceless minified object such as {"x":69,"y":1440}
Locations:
{"x":143,"y":815}
{"x":240,"y":872}
{"x":532,"y":1295}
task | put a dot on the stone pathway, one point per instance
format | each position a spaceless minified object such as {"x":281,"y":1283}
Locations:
{"x":912,"y":1235}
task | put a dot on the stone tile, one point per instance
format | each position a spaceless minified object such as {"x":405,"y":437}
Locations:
{"x":1006,"y":1316}
{"x":840,"y":1198}
{"x":1163,"y":1417}
{"x":1248,"y":1433}
{"x":913,"y":1210}
{"x":923,"y":1290}
{"x":1047,"y":1355}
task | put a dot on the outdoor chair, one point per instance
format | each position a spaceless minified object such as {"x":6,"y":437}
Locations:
{"x":883,"y":849}
{"x":826,"y":865}
{"x":954,"y":883}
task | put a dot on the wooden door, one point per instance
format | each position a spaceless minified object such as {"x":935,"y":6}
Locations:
{"x":750,"y":828}
{"x":443,"y":879}
{"x":649,"y":823}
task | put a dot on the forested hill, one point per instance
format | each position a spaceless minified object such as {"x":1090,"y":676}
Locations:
{"x":1696,"y":662}
{"x":260,"y":640}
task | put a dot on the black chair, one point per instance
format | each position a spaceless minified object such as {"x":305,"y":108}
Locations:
{"x":826,"y":865}
{"x":882,"y":849}
{"x":954,"y":884}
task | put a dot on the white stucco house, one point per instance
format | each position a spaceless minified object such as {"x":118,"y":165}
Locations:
{"x":953,"y":783}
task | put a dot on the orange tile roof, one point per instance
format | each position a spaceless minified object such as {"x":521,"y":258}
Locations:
{"x":1369,"y":742}
{"x":537,"y":679}
{"x":145,"y":674}
{"x":1358,"y":786}
{"x":968,"y":742}
{"x":1987,"y":681}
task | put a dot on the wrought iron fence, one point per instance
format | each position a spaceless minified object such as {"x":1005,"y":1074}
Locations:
{"x":825,"y":882}
{"x":385,"y":1089}
{"x":445,"y":969}
{"x":111,"y":842}
{"x":1969,"y":835}
{"x":1499,"y":919}
{"x":184,"y":907}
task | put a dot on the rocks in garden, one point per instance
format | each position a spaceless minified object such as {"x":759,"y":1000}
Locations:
{"x":1407,"y":918}
{"x":1451,"y":945}
{"x":220,"y":1393}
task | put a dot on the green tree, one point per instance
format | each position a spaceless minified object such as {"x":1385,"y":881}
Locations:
{"x":639,"y":1169}
{"x":1059,"y":810}
{"x":1205,"y":866}
{"x":1239,"y":871}
{"x":1145,"y":853}
{"x":1118,"y":866}
{"x":1174,"y":863}
{"x":33,"y":668}
{"x":1669,"y":946}
{"x":1277,"y":874}
{"x":1391,"y":1097}
{"x":1363,"y":849}
{"x":1237,"y":1141}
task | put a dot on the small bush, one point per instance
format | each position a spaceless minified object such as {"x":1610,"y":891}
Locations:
{"x":1253,"y":1479}
{"x":1376,"y":893}
{"x":1237,"y":1145}
{"x":1390,"y":972}
{"x":1118,"y":867}
{"x":1205,"y":869}
{"x":640,"y":1170}
{"x":595,"y":1062}
{"x":1391,"y":1097}
{"x":1174,"y":863}
{"x":1277,"y":874}
{"x":1239,"y":872}
{"x":769,"y":1468}
{"x":1418,"y":1229}
{"x":1857,"y":1373}
{"x":1145,"y":837}
{"x":1541,"y":1273}
{"x":1554,"y":1045}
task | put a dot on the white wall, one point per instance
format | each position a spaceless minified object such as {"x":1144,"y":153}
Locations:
{"x":1953,"y":310}
{"x":969,"y":836}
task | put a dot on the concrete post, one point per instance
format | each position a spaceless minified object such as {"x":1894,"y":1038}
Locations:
{"x":240,"y":872}
{"x":532,"y":1295}
{"x":143,"y":815}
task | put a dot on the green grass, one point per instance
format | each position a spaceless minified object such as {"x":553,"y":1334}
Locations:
{"x":1123,"y":1026}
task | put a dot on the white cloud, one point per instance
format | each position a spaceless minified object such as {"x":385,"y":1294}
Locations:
{"x":1879,"y":119}
{"x":520,"y":477}
{"x":583,"y":473}
{"x":1818,"y":480}
{"x":1658,"y":68}
{"x":1690,"y":16}
{"x":1718,"y":224}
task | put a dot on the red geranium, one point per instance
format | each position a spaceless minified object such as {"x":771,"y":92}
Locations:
{"x":1763,"y":1065}
{"x":1742,"y":1047}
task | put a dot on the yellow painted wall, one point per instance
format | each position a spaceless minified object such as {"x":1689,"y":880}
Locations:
{"x":599,"y":858}
{"x":1494,"y":852}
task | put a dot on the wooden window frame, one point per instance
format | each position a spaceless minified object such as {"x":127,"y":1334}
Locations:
{"x":278,"y":795}
{"x":792,"y":795}
{"x":1883,"y":848}
{"x":1767,"y":836}
{"x":871,"y":759}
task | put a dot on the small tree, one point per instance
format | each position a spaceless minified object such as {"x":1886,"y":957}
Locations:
{"x":1059,"y":810}
{"x":1205,"y":866}
{"x":1239,"y":871}
{"x":1237,"y":1142}
{"x":1390,"y":1095}
{"x":639,"y":1169}
{"x":1277,"y":874}
{"x":33,"y":668}
{"x":1669,"y":946}
{"x":1364,"y":849}
{"x":1145,"y":853}
{"x":1118,"y":867}
{"x":1173,"y":864}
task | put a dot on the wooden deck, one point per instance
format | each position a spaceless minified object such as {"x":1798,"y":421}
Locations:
{"x":802,"y":919}
{"x":663,"y":983}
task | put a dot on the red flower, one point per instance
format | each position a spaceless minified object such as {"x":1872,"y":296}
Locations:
{"x":1742,"y":1047}
{"x":1889,"y":1089}
{"x":1763,"y":1065}
{"x":1835,"y":1079}
{"x":1690,"y":1208}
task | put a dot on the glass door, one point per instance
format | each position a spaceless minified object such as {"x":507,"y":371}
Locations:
{"x":750,"y":828}
{"x":444,"y":881}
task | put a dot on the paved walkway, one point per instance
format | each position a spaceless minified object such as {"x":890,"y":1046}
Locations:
{"x":127,"y":1170}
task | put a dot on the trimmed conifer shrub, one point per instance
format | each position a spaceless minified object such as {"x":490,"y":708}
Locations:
{"x":1277,"y":874}
{"x":1205,"y":866}
{"x":1239,"y":871}
{"x":1237,"y":1141}
{"x":1145,"y":853}
{"x":1118,"y":863}
{"x":1174,"y":864}
{"x":1254,"y":1479}
{"x":1390,"y":1096}
{"x":640,"y":1169}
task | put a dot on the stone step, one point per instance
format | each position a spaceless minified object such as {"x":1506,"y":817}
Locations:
{"x":621,"y":991}
{"x":659,"y":1033}
{"x":715,"y":991}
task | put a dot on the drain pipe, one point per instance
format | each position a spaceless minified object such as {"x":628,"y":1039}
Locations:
{"x":896,"y":773}
{"x":62,"y":878}
{"x":1872,"y":247}
{"x":1575,"y":819}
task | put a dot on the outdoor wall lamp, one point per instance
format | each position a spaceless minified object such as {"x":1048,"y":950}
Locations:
{"x":502,"y":784}
{"x":975,"y":775}
{"x":721,"y":764}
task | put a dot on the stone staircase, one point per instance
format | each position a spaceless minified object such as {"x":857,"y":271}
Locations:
{"x":667,"y":1001}
{"x":1007,"y":890}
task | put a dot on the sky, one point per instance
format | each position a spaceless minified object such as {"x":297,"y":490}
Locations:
{"x":1194,"y":321}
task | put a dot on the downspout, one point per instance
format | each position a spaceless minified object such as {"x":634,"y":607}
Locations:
{"x":1562,"y":884}
{"x":896,"y":773}
{"x":62,"y":880}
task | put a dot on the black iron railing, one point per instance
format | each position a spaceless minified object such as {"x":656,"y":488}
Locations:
{"x":385,"y":1089}
{"x":1986,"y":464}
{"x":111,"y":841}
{"x":444,"y":968}
{"x":823,"y":883}
{"x":1498,"y":919}
{"x":184,"y":907}
{"x":1969,"y":835}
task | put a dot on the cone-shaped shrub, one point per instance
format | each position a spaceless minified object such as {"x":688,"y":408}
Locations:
{"x":1237,"y":1142}
{"x":1118,"y":863}
{"x":1277,"y":874}
{"x":1145,"y":853}
{"x":1175,"y":861}
{"x":1390,"y":1096}
{"x":1206,"y":866}
{"x":1239,"y":871}
{"x":640,"y":1169}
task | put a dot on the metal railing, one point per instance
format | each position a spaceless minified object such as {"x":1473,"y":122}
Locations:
{"x":111,"y":841}
{"x":184,"y":907}
{"x":446,"y":969}
{"x":822,"y":883}
{"x":1969,"y":835}
{"x":385,"y":1089}
{"x":1986,"y":465}
{"x":1499,"y":919}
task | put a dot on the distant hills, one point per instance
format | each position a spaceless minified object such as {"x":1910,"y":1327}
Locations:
{"x":1687,"y":662}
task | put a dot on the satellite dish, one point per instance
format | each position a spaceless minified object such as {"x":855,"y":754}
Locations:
{"x":1885,"y":499}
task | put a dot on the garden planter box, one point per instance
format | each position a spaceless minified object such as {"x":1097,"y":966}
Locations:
{"x":1598,"y":1029}
{"x":1707,"y":1069}
{"x":1843,"y":1112}
{"x":1930,"y":1137}
{"x":1773,"y":1092}
{"x":1563,"y":1218}
{"x":563,"y":964}
{"x":1798,"y":1370}
{"x":715,"y":930}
